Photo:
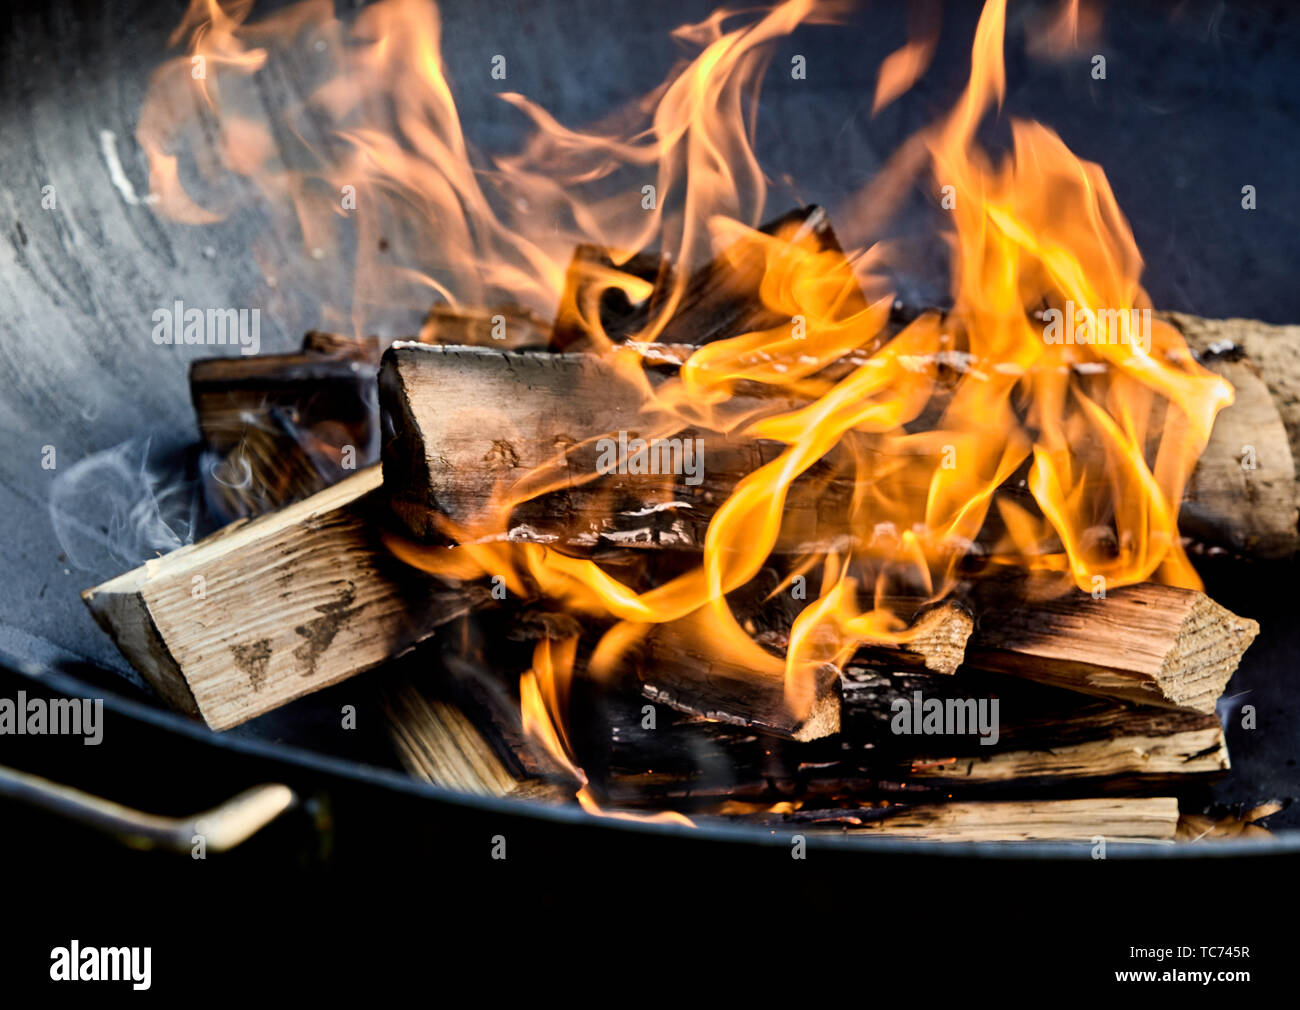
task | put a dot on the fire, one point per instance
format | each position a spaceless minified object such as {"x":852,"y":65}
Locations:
{"x":981,"y":433}
{"x":543,"y":699}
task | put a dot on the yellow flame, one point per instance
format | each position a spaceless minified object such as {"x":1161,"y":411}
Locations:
{"x":937,"y":425}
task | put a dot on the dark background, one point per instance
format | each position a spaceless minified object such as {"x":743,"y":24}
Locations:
{"x":1200,"y":99}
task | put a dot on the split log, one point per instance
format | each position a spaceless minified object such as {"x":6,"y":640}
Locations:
{"x":462,"y":732}
{"x":464,"y":423}
{"x":1148,"y":644}
{"x":279,"y":427}
{"x":1117,"y":819}
{"x":467,"y":423}
{"x":1049,"y":741}
{"x":1045,"y":737}
{"x":1242,"y":495}
{"x":268,"y":610}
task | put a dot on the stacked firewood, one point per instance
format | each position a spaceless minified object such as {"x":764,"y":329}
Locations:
{"x":1082,"y":716}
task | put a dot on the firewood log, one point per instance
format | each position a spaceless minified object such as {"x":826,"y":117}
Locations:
{"x":1147,"y":643}
{"x":710,"y":686}
{"x":1049,"y":740}
{"x":693,"y":678}
{"x":270,"y":609}
{"x":1242,"y":495}
{"x":465,"y":423}
{"x":1116,"y":819}
{"x":461,"y":731}
{"x":279,"y":427}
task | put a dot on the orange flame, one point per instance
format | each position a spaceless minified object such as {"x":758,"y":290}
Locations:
{"x":1062,"y":386}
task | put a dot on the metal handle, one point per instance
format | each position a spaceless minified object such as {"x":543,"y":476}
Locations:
{"x":223,"y":827}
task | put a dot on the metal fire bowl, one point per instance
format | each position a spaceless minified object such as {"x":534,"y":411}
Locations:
{"x":1195,"y":105}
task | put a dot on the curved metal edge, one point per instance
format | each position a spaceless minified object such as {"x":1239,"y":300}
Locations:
{"x":1284,"y":843}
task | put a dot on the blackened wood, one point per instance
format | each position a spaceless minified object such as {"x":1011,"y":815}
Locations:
{"x":278,"y":428}
{"x":595,"y":308}
{"x":700,"y":681}
{"x":721,"y":300}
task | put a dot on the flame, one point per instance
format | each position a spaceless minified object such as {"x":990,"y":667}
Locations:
{"x":543,"y":699}
{"x":904,"y":66}
{"x":983,"y":426}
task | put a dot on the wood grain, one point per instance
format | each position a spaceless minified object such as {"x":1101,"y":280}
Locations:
{"x":267,"y":610}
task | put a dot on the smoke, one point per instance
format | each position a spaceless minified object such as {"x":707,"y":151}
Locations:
{"x":121,"y":506}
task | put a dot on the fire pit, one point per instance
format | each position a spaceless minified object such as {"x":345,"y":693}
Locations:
{"x":640,"y":486}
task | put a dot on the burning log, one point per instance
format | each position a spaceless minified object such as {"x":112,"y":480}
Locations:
{"x":694,"y":678}
{"x":1042,"y":739}
{"x":702,"y":683}
{"x":599,"y":297}
{"x":1117,"y":819}
{"x":465,"y":423}
{"x":717,"y":301}
{"x":268,"y":610}
{"x":1148,"y":644}
{"x":722,"y":300}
